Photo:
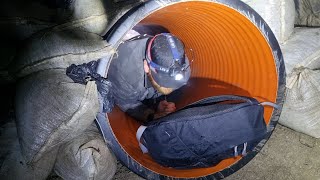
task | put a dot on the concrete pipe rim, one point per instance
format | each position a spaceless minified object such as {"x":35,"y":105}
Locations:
{"x":141,"y":14}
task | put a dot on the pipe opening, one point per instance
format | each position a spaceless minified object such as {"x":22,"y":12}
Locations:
{"x":231,"y":56}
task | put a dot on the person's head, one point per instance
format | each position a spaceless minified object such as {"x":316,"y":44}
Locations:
{"x":169,"y":66}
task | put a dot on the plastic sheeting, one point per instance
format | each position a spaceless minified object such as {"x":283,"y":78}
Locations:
{"x":87,"y":72}
{"x":302,"y":58}
{"x":279,"y":15}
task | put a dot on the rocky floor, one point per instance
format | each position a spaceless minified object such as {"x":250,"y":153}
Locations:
{"x":288,"y":155}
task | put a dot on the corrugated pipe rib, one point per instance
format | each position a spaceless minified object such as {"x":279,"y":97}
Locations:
{"x":235,"y":52}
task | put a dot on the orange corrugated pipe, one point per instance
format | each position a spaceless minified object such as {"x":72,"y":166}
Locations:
{"x":232,"y":55}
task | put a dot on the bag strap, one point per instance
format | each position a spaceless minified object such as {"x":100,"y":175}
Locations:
{"x":270,"y":104}
{"x":139,"y":133}
{"x":138,"y":37}
{"x":216,"y":99}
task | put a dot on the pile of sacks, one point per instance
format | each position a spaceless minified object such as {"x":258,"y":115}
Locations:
{"x":291,"y":21}
{"x":54,"y":126}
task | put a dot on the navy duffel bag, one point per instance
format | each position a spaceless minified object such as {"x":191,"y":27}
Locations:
{"x":204,"y":133}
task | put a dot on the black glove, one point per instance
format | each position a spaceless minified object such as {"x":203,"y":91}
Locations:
{"x":87,"y":72}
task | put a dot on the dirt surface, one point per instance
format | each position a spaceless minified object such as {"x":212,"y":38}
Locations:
{"x":288,"y":155}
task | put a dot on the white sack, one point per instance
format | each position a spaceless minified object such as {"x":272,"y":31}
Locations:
{"x":51,"y":35}
{"x":86,"y":15}
{"x":86,"y":157}
{"x":12,"y":164}
{"x":22,"y":19}
{"x":27,"y":17}
{"x":301,"y":110}
{"x":308,"y":13}
{"x":51,"y":109}
{"x":279,"y":15}
{"x":59,"y":49}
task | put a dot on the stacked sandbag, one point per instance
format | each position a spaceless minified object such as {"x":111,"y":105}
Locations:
{"x":307,"y":13}
{"x":12,"y":163}
{"x":8,"y":134}
{"x":278,"y":14}
{"x":20,"y":20}
{"x":50,"y":108}
{"x":58,"y":49}
{"x":86,"y":15}
{"x":86,"y":157}
{"x":95,"y":16}
{"x":302,"y":57}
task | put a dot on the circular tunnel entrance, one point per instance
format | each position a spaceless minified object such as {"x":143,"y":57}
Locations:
{"x":234,"y":52}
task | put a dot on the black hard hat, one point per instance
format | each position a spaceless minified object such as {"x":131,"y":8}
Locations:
{"x":167,"y":60}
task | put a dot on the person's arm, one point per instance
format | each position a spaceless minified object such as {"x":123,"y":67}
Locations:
{"x":141,"y":112}
{"x":148,"y":112}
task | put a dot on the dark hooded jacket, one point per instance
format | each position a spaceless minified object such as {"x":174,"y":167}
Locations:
{"x":133,"y":91}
